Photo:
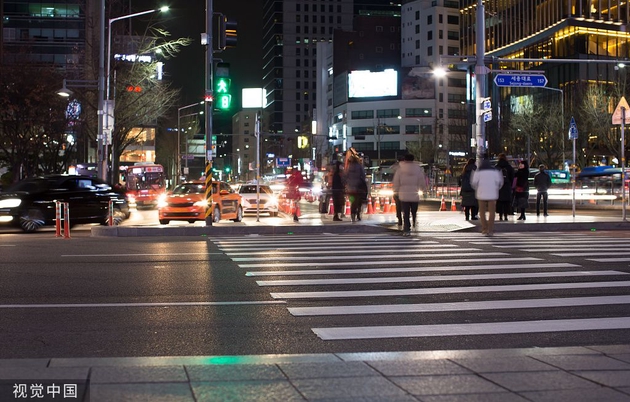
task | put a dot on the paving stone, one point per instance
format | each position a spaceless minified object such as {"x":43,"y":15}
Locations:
{"x":538,"y":381}
{"x":601,"y":394}
{"x":296,"y":371}
{"x":111,"y":375}
{"x":608,"y":378}
{"x":418,"y":367}
{"x":390,"y":398}
{"x":446,"y":384}
{"x":245,"y":391}
{"x":585,"y":362}
{"x":146,"y":392}
{"x":504,"y":364}
{"x":623,"y":357}
{"x":42,"y":363}
{"x":350,"y":387}
{"x":239,"y":372}
{"x":44,"y":373}
{"x":612,"y":349}
{"x":494,"y":397}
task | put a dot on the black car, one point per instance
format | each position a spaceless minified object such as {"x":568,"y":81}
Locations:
{"x":31,"y":203}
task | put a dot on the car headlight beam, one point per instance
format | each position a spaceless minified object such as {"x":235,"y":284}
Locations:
{"x":10,"y":203}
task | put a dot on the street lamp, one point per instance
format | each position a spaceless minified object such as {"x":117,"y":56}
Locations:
{"x":379,"y":125}
{"x":106,"y":108}
{"x":179,"y":142}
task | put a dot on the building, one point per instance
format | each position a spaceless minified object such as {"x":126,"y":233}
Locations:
{"x":536,"y":35}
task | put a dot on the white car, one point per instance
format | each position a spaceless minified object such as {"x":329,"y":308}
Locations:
{"x":268,"y":200}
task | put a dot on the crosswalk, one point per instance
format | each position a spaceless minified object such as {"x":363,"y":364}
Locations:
{"x":366,"y":286}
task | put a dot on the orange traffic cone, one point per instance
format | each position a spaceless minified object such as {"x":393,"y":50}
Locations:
{"x":377,"y":206}
{"x":453,"y":206}
{"x":443,"y":205}
{"x":331,"y":207}
{"x":387,"y":206}
{"x":347,"y":207}
{"x":370,"y":209}
{"x":298,"y":213}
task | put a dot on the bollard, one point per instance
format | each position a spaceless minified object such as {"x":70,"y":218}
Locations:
{"x":62,"y":219}
{"x":110,"y":213}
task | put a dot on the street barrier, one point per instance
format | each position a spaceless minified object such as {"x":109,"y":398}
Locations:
{"x":62,"y":219}
{"x":443,"y":205}
{"x":110,"y":213}
{"x":453,"y":205}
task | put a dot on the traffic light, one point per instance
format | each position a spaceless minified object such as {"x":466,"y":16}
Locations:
{"x":222,"y":87}
{"x":226,"y":32}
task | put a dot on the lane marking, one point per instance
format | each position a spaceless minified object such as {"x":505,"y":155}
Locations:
{"x":593,"y":254}
{"x":609,"y":259}
{"x":447,"y":290}
{"x":459,"y":306}
{"x":355,"y":250}
{"x":413,"y":269}
{"x":434,"y":278}
{"x":137,"y":254}
{"x":172,"y":304}
{"x":517,"y":327}
{"x":407,"y":262}
{"x":354,"y":257}
{"x":361,"y":246}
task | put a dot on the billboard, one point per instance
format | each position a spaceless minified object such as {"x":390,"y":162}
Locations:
{"x":368,"y":84}
{"x":418,"y":83}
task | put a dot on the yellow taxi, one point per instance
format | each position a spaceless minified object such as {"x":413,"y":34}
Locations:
{"x":187,"y":202}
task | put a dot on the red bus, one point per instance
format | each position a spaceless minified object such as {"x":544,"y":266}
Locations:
{"x":145,"y":183}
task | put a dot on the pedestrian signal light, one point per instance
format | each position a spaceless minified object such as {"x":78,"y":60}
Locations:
{"x":224,"y":101}
{"x":222,"y":85}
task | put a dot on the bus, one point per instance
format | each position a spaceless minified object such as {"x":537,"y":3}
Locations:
{"x":602,"y":182}
{"x":144,"y":184}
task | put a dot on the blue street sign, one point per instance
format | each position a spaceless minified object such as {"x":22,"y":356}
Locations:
{"x":520,"y":80}
{"x":573,"y":131}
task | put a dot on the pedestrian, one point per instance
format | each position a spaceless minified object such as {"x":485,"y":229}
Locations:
{"x":542,"y":182}
{"x":520,"y":186}
{"x":504,"y":203}
{"x":469,"y":200}
{"x":487,"y":181}
{"x":356,"y":186}
{"x":409,"y":180}
{"x":337,"y":188}
{"x":294,"y":182}
{"x":394,"y":168}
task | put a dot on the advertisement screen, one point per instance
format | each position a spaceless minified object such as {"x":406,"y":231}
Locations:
{"x":367,"y":84}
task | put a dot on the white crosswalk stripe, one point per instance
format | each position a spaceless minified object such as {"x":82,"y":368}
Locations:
{"x":386,"y":276}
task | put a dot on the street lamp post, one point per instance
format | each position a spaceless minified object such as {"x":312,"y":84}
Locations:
{"x":106,"y":107}
{"x":481,"y":71}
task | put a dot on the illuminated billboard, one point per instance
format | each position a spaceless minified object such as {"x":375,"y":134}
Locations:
{"x":368,"y":84}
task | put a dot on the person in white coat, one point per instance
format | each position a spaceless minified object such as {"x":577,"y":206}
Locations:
{"x":409,"y":179}
{"x":487,"y":181}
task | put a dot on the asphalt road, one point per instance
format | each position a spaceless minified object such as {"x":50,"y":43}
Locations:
{"x":97,"y":297}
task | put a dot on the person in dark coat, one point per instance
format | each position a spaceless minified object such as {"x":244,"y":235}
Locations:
{"x":521,"y":189}
{"x":505,"y":193}
{"x":356,"y":186}
{"x":337,"y":188}
{"x":469,"y":200}
{"x":542,"y":182}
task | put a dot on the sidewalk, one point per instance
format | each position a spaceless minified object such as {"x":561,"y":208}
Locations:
{"x":572,"y":374}
{"x":433,"y":221}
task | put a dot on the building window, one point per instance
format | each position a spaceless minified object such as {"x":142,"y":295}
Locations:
{"x":418,"y":44}
{"x":440,"y":18}
{"x":418,"y":112}
{"x":429,"y":20}
{"x":417,"y":15}
{"x":379,"y":28}
{"x":379,"y":49}
{"x":384,"y":113}
{"x":362,"y":114}
{"x":441,"y":34}
{"x":430,"y":51}
{"x":417,"y":29}
{"x":452,"y":20}
{"x":415,"y":129}
{"x":453,"y":50}
{"x":430,"y":35}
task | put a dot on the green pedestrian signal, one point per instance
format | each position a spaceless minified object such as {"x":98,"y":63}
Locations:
{"x":222,"y":93}
{"x":224,"y":102}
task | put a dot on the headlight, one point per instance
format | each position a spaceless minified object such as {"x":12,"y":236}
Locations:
{"x":202,"y":203}
{"x":161,"y":201}
{"x":10,"y":203}
{"x":273,"y":201}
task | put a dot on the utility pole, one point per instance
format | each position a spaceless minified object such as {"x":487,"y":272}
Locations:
{"x":209,"y":105}
{"x":481,"y":71}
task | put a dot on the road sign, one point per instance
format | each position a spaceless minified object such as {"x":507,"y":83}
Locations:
{"x":618,"y":117}
{"x":486,"y":104}
{"x":520,"y":80}
{"x":487,"y":116}
{"x":573,"y":131}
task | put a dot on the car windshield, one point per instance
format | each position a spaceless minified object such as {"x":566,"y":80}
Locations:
{"x":33,"y":185}
{"x":251,"y":189}
{"x":189,"y":188}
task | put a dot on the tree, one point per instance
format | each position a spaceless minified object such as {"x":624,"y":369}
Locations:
{"x":596,"y":110}
{"x":33,"y":122}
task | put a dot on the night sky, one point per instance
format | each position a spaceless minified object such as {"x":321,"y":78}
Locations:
{"x":186,"y":18}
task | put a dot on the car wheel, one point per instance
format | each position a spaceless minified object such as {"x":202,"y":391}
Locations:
{"x":164,"y":221}
{"x":216,"y":215}
{"x":191,"y":221}
{"x":31,"y":220}
{"x":239,"y":215}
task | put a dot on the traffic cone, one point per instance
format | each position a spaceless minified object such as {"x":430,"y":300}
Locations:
{"x":377,"y":206}
{"x":387,"y":206}
{"x":347,"y":207}
{"x":443,"y":205}
{"x":453,"y":206}
{"x":370,"y":208}
{"x":298,"y":213}
{"x":331,"y":207}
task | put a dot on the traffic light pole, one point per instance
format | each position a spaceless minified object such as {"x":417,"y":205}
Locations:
{"x":208,"y":110}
